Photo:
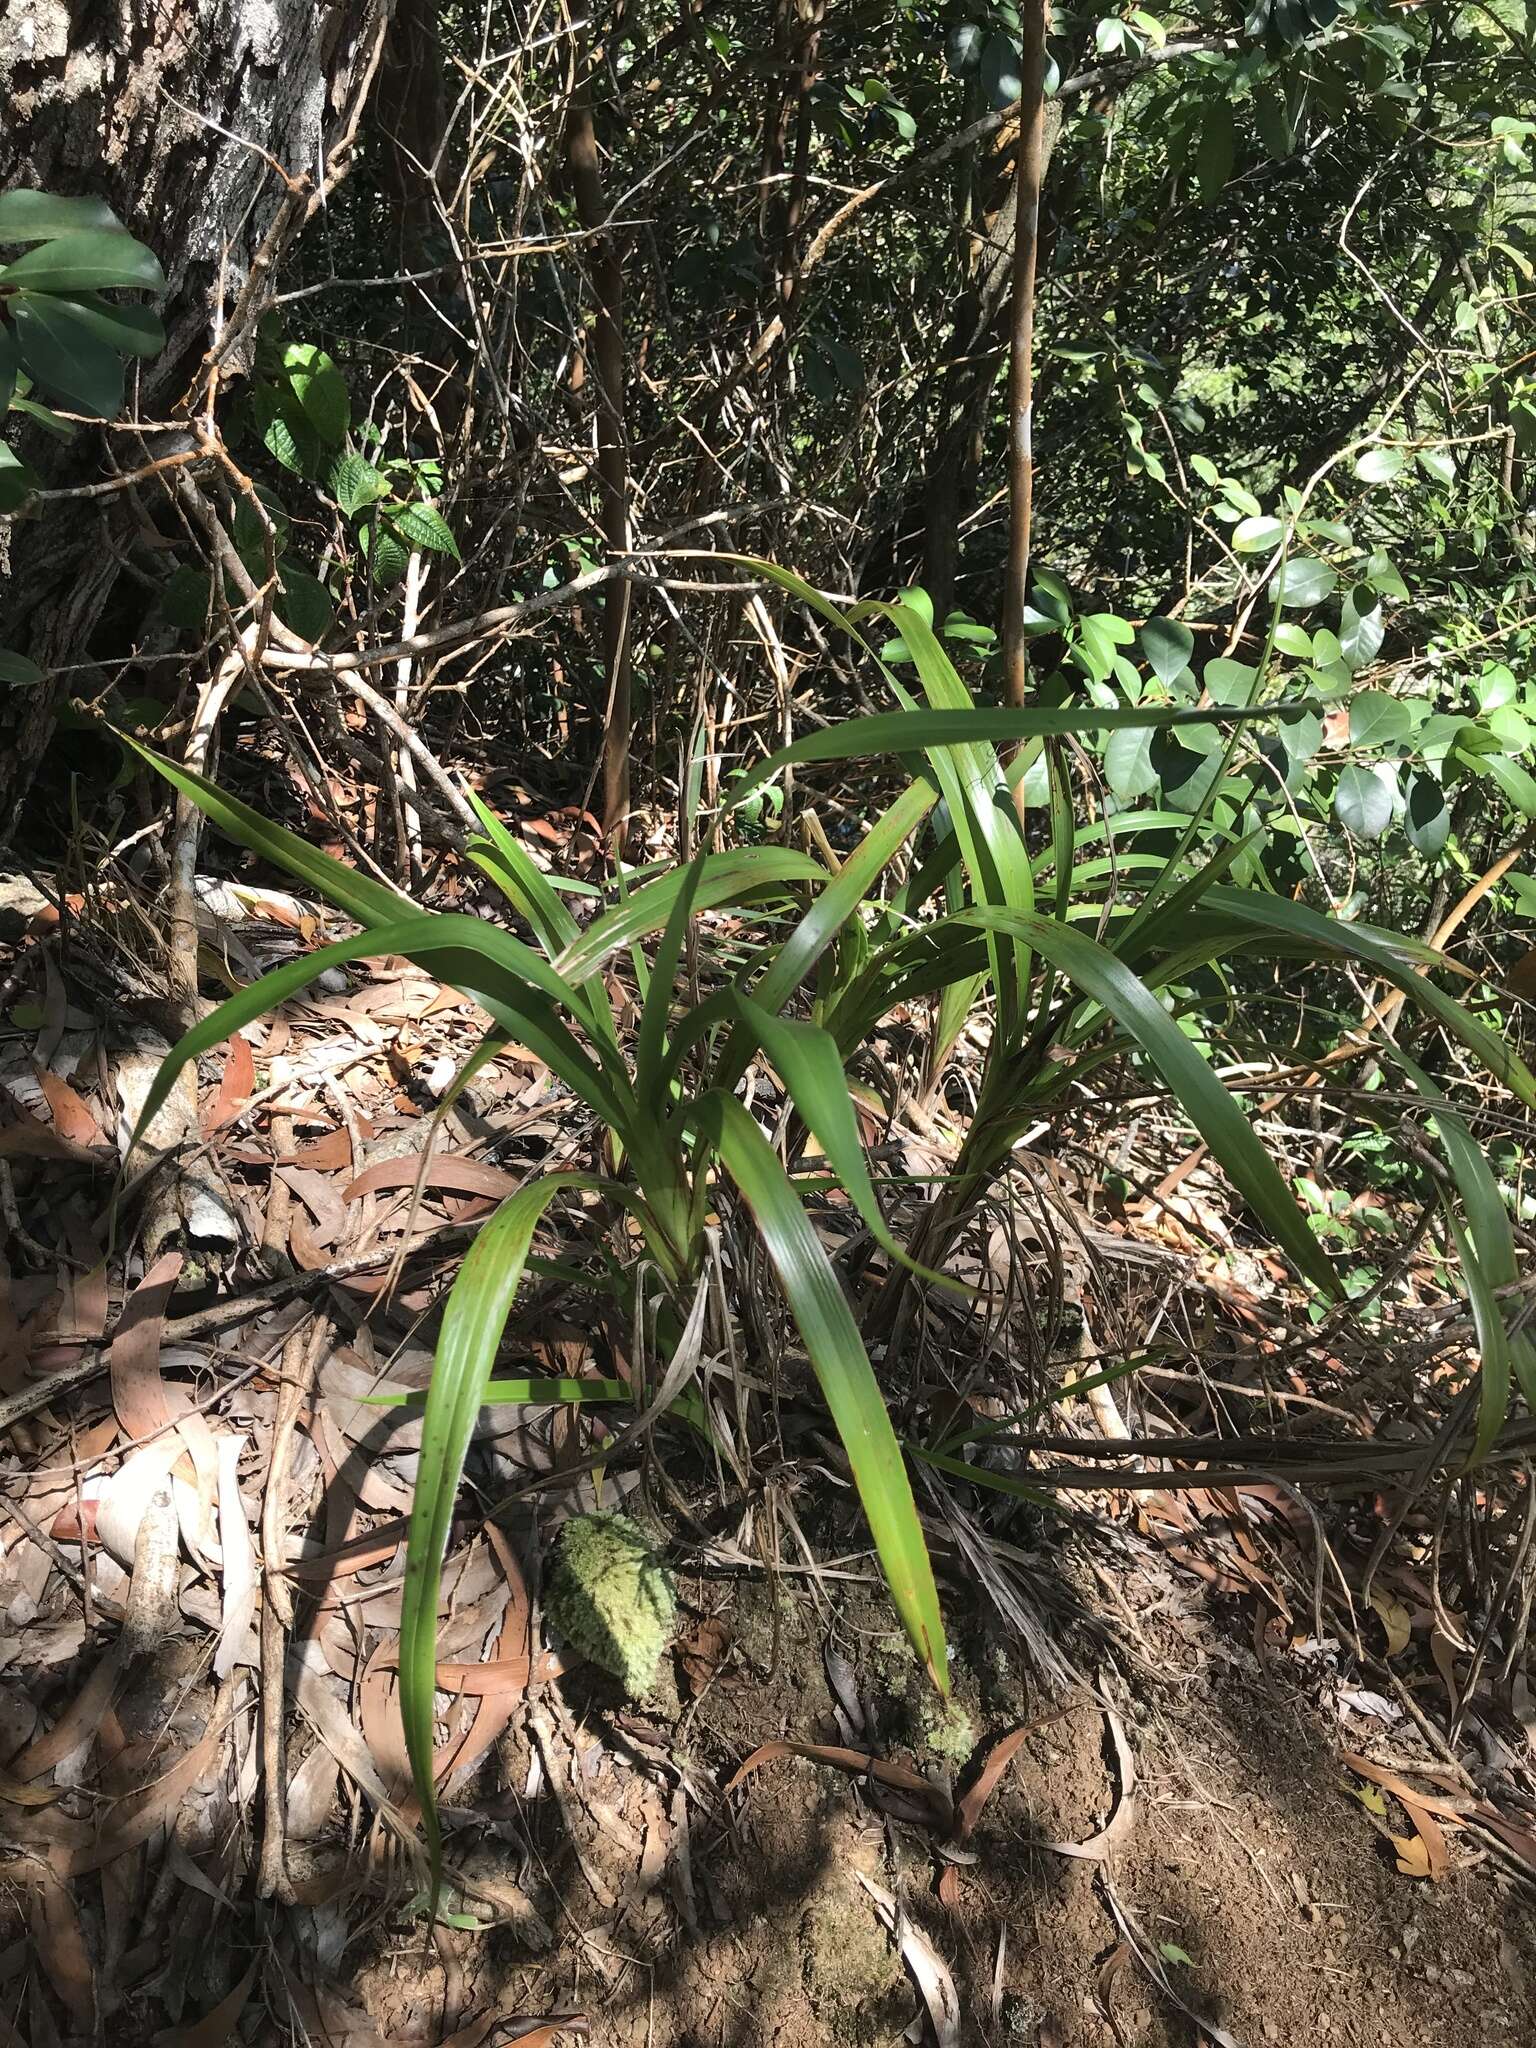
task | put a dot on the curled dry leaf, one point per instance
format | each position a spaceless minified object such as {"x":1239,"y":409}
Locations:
{"x":450,"y":1175}
{"x":969,"y":1806}
{"x":238,"y":1569}
{"x":857,"y":1763}
{"x":929,"y":1971}
{"x":1098,"y":1847}
{"x":59,"y":1941}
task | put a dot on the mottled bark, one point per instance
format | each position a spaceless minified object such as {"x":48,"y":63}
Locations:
{"x":174,"y":111}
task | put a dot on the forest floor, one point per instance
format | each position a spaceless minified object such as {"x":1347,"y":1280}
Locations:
{"x":1193,"y":1790}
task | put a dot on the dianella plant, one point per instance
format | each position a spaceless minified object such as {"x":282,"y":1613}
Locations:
{"x":947,"y":896}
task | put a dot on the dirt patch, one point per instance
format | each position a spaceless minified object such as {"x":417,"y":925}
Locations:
{"x":1246,"y":1875}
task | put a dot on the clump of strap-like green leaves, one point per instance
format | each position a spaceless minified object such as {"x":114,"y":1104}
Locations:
{"x":1016,"y":925}
{"x":667,"y":1097}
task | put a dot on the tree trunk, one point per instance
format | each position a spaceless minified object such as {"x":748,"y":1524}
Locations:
{"x":174,"y":112}
{"x":970,"y":382}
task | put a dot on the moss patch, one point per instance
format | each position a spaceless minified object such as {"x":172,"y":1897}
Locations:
{"x":610,"y":1597}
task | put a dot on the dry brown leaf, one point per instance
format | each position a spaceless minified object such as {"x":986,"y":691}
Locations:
{"x":139,"y":1816}
{"x":330,"y":1154}
{"x":59,"y":1941}
{"x":857,"y":1763}
{"x":968,"y":1808}
{"x":1398,"y":1786}
{"x":1110,"y":1972}
{"x":85,"y":1313}
{"x":138,"y":1393}
{"x":1395,"y":1619}
{"x":327,"y":1716}
{"x":1413,"y":1858}
{"x":41,"y":1141}
{"x":929,"y":1970}
{"x":79,"y":1721}
{"x":374,"y":1546}
{"x":237,"y":1084}
{"x":1098,"y":1847}
{"x":317,"y":1191}
{"x":14,"y":1793}
{"x":1520,"y":1841}
{"x":214,"y":2028}
{"x":72,"y":1118}
{"x":457,"y":1176}
{"x":1424,"y":1852}
{"x":702,"y":1652}
{"x":383,"y":1730}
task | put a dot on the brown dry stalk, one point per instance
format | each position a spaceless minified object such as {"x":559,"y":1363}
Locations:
{"x":301,"y":1357}
{"x":1021,"y":376}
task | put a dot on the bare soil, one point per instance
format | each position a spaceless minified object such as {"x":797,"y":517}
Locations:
{"x":1246,"y":1871}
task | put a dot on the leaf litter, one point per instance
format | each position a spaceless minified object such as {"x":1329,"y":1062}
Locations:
{"x":134,"y":1682}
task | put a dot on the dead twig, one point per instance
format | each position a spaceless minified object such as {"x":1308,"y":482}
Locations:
{"x":301,"y":1357}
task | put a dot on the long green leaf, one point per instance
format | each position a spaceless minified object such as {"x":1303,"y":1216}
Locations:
{"x":589,"y":1002}
{"x":523,"y":1014}
{"x":730,"y":877}
{"x":358,"y":895}
{"x":1388,"y":954}
{"x":524,"y":883}
{"x":1223,"y":1126}
{"x":842,"y":1366}
{"x":479,"y":959}
{"x":473,"y":1321}
{"x":840,"y":898}
{"x":912,"y":732}
{"x":983,"y":813}
{"x":656,"y":1012}
{"x":528,"y":1393}
{"x":811,"y":1067}
{"x":1493,"y":1352}
{"x":1487,"y":1248}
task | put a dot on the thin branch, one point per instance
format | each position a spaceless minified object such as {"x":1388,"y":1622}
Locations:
{"x":1021,"y":373}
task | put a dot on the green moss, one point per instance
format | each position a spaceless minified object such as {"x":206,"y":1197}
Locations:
{"x":947,"y":1729}
{"x":610,"y":1597}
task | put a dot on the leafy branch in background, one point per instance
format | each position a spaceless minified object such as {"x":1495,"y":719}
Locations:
{"x":59,"y":335}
